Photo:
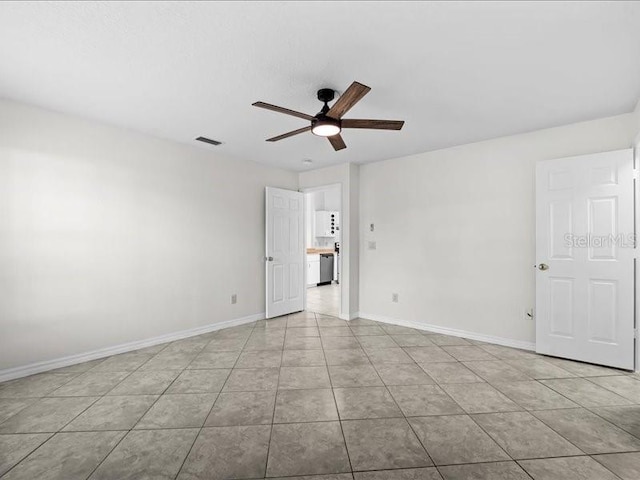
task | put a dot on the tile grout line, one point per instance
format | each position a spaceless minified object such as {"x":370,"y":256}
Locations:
{"x":335,"y":404}
{"x":406,"y":419}
{"x":590,"y":409}
{"x":579,"y":405}
{"x":521,"y":411}
{"x":92,"y":404}
{"x":28,"y":454}
{"x":275,"y":402}
{"x":146,"y":411}
{"x":424,"y":447}
{"x":60,"y":430}
{"x":590,"y":380}
{"x":195,"y":439}
{"x":530,"y":412}
{"x":552,"y":458}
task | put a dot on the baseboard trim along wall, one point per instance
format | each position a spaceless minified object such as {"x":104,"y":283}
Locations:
{"x":39,"y":367}
{"x":506,"y":342}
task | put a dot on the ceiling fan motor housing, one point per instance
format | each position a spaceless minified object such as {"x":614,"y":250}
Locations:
{"x":326,"y":95}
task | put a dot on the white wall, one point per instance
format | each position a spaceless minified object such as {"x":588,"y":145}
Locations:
{"x":320,"y":200}
{"x":108,"y":236}
{"x":330,"y":198}
{"x":347,"y":176}
{"x":352,"y":225}
{"x":636,"y":124}
{"x":455,"y":229}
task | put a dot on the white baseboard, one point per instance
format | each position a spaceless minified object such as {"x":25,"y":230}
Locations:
{"x":38,"y":367}
{"x":507,"y":342}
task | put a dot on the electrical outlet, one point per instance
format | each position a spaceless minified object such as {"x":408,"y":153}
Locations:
{"x":372,"y":228}
{"x":394,"y":297}
{"x":234,"y":299}
{"x":372,"y":245}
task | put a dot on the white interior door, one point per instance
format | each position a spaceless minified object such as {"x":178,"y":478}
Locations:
{"x":585,"y":258}
{"x":285,"y":251}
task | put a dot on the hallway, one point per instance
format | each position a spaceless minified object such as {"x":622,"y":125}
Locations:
{"x":324,"y":299}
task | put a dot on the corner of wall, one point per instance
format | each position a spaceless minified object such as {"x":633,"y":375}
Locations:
{"x":354,"y":241}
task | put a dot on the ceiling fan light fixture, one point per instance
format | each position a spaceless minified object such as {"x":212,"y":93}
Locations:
{"x":330,"y":121}
{"x":324,"y":126}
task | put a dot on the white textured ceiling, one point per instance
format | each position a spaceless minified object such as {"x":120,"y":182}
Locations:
{"x":457,"y":72}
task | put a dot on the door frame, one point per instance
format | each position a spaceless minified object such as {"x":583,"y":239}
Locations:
{"x":636,"y":210}
{"x":268,"y":263}
{"x":319,"y":188}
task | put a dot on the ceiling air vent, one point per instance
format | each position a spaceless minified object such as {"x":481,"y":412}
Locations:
{"x":208,"y":140}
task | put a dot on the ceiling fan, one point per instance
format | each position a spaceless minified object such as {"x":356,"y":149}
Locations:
{"x":328,"y":122}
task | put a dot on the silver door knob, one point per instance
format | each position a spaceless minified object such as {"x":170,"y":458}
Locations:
{"x":269,"y":259}
{"x":543,"y":266}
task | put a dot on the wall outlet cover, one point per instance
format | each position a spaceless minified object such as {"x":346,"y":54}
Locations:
{"x":394,"y":297}
{"x":234,"y":299}
{"x":372,"y":245}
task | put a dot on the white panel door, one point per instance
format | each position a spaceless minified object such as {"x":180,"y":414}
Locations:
{"x":285,"y":252}
{"x":585,"y":258}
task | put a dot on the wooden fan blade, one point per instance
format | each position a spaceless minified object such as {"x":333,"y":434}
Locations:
{"x":348,"y":99}
{"x":337,"y":142}
{"x":286,"y":111}
{"x":374,"y":124}
{"x":289,"y":134}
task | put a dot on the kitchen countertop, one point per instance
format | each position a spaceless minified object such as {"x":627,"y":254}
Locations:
{"x":320,"y":250}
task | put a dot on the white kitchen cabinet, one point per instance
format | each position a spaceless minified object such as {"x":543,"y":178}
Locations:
{"x":313,"y":269}
{"x":327,"y":223}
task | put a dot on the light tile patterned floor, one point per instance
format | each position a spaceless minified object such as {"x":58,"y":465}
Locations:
{"x":324,"y":299}
{"x":312,"y":395}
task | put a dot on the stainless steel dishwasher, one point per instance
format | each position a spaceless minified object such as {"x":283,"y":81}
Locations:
{"x":326,"y":268}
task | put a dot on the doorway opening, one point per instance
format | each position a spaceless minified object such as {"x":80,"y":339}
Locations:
{"x":323,"y":215}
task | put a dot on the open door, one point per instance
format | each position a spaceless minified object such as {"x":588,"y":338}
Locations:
{"x":585,"y":242}
{"x":284,"y":255}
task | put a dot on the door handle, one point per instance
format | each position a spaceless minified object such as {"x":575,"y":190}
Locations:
{"x":543,"y":266}
{"x":268,"y":259}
